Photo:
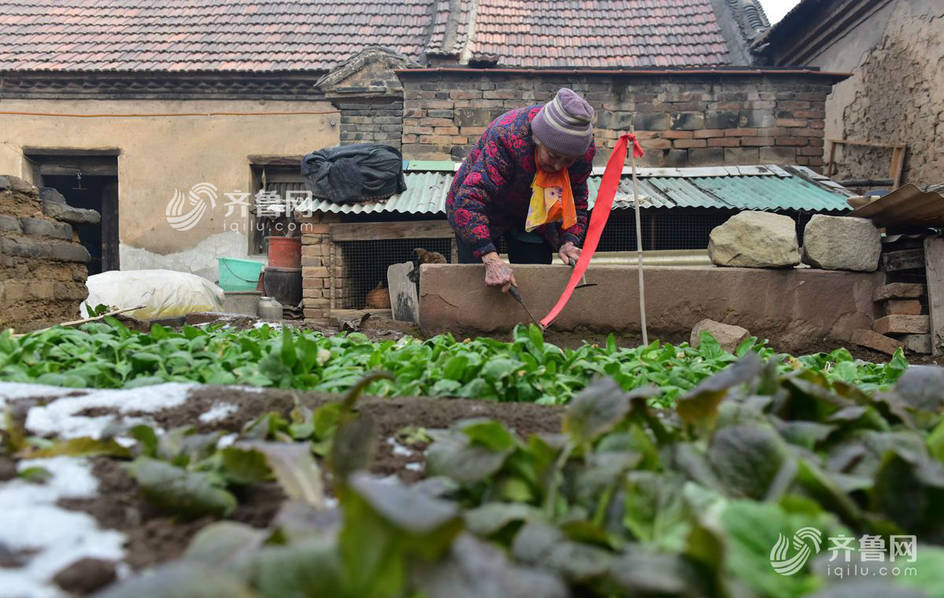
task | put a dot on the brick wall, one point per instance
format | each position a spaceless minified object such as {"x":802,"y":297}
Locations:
{"x":42,"y":265}
{"x":371,"y":120}
{"x":681,"y":120}
{"x":368,"y":93}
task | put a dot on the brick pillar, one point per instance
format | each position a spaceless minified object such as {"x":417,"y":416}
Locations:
{"x":316,"y":263}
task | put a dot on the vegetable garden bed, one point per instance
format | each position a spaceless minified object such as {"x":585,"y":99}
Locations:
{"x":676,"y":473}
{"x":109,"y":355}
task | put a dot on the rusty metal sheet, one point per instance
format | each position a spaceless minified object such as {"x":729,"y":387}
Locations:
{"x":907,"y":206}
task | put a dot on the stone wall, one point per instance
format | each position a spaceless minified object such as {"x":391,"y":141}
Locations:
{"x":681,"y":119}
{"x":42,"y":264}
{"x":896,"y":95}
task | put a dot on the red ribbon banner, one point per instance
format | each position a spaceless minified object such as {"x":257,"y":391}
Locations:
{"x":601,"y":213}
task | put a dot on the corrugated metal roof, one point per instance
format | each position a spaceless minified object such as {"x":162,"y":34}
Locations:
{"x":907,"y":206}
{"x":765,"y":187}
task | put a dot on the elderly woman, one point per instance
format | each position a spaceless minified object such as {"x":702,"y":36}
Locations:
{"x":526,"y":179}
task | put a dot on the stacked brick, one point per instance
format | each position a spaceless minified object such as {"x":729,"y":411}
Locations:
{"x":42,"y":265}
{"x":370,"y":120}
{"x":903,"y":323}
{"x":681,"y":120}
{"x":318,"y":260}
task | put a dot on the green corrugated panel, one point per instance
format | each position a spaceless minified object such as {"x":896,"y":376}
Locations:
{"x":685,"y":193}
{"x":425,"y":194}
{"x":649,"y":196}
{"x":427,"y":189}
{"x":771,"y":193}
{"x":431,"y":165}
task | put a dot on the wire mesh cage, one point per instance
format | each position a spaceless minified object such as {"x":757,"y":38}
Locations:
{"x":361,"y":265}
{"x":661,"y":230}
{"x":364,"y":265}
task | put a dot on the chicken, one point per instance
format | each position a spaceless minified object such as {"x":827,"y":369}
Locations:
{"x":379,"y":298}
{"x":427,"y":257}
{"x":423,"y":256}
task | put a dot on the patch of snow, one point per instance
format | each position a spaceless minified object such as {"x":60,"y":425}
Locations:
{"x":247,"y":388}
{"x":217,"y":412}
{"x":31,"y":521}
{"x":128,"y":442}
{"x":414,"y":466}
{"x":59,"y":417}
{"x":11,"y":391}
{"x":226,"y":441}
{"x":270,"y":323}
{"x":123,"y":570}
{"x":398,"y":449}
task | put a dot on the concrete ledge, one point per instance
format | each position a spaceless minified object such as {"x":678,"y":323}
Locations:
{"x":791,"y":307}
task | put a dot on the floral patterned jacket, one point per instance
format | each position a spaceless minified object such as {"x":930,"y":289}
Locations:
{"x":491,"y":191}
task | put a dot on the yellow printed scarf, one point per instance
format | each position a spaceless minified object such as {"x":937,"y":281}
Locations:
{"x":552,"y":200}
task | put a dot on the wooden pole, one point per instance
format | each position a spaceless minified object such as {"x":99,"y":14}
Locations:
{"x":85,"y":320}
{"x":642,"y":286}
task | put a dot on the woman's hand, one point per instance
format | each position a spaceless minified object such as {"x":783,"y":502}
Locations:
{"x":497,"y":272}
{"x":568,"y":251}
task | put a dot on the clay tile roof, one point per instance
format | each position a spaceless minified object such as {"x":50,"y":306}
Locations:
{"x":318,"y":35}
{"x":196,"y":35}
{"x":599,"y":33}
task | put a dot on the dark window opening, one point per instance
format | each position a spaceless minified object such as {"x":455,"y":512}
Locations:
{"x":87,"y":180}
{"x":281,"y":187}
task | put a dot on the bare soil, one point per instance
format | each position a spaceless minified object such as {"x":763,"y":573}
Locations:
{"x":155,"y":537}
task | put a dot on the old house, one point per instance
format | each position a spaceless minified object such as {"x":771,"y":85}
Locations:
{"x":171,"y":118}
{"x":895,"y":96}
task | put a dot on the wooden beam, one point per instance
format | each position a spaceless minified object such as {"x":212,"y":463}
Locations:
{"x":831,"y":161}
{"x":867,"y":144}
{"x":904,"y":259}
{"x":109,"y":227}
{"x":70,"y":152}
{"x":373,"y":231}
{"x":261,"y":160}
{"x":898,"y":163}
{"x":934,"y":271}
{"x":72,"y":168}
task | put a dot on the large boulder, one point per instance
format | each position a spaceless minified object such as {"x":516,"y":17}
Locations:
{"x":841,"y":243}
{"x":727,"y":335}
{"x":755,"y":240}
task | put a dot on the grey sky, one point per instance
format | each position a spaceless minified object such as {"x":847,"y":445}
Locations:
{"x":775,"y":9}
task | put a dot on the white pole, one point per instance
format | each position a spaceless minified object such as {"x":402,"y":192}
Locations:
{"x":642,"y":286}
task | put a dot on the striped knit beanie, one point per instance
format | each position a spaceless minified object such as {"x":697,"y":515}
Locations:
{"x":563,"y":124}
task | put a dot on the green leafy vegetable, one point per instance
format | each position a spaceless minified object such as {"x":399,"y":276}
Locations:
{"x":109,"y":355}
{"x":192,"y":494}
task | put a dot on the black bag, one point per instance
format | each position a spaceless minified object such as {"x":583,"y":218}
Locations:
{"x":353,"y":173}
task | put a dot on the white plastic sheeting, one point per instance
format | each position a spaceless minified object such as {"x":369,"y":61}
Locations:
{"x":162,"y":293}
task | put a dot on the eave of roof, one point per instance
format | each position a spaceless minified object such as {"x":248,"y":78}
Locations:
{"x":699,"y":71}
